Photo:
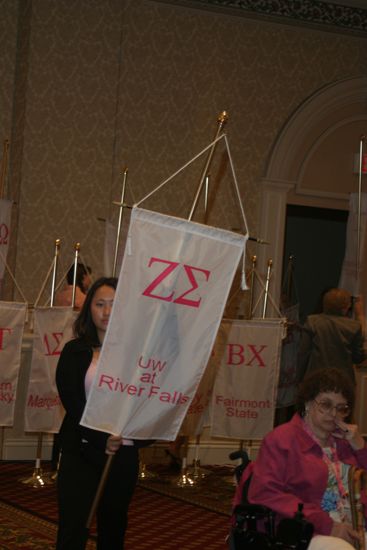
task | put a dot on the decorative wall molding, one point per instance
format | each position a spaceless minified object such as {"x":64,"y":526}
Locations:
{"x":314,"y":13}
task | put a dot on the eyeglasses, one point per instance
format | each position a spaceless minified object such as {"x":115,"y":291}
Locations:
{"x":328,"y":407}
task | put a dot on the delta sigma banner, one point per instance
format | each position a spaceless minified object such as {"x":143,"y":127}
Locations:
{"x":245,"y":390}
{"x":52,"y":329}
{"x":12,"y":318}
{"x":173,"y":286}
{"x":5,"y":215}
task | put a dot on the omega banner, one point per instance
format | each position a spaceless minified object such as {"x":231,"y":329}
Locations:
{"x":52,"y":329}
{"x":12,"y":318}
{"x":173,"y":286}
{"x":245,"y":390}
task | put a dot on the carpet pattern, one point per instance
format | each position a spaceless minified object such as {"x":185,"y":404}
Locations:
{"x":28,"y":516}
{"x":213,"y":486}
{"x":21,"y":530}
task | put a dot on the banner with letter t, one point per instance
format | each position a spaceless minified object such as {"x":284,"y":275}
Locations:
{"x":173,"y":286}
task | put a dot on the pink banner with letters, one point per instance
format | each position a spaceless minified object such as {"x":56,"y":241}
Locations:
{"x":173,"y":286}
{"x":12,"y":317}
{"x":245,"y":390}
{"x":52,"y":329}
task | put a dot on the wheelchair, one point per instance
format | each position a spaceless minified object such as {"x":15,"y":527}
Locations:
{"x":255,"y":527}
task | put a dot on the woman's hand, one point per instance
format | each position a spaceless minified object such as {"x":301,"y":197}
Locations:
{"x":344,"y":531}
{"x":350,"y":433}
{"x":113,"y":444}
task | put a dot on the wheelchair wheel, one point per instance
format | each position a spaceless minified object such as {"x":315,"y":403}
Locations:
{"x":249,"y":540}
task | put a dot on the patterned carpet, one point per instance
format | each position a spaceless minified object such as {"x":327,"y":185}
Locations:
{"x":162,"y":516}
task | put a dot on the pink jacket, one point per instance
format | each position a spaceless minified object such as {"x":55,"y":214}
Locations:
{"x":289,"y":469}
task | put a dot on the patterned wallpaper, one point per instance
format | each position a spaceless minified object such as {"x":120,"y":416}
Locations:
{"x":140,"y":83}
{"x":316,"y":13}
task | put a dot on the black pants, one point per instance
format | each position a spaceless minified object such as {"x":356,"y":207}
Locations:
{"x":78,"y":480}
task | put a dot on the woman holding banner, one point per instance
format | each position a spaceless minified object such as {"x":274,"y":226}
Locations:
{"x":312,"y":460}
{"x":84,"y":450}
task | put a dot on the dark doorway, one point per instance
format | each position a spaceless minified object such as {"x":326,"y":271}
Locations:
{"x":316,"y":238}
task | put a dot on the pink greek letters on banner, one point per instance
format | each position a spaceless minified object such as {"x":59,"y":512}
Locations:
{"x":3,"y":332}
{"x":53,"y":327}
{"x":12,"y":317}
{"x":172,"y":266}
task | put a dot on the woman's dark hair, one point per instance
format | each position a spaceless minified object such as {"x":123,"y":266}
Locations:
{"x":84,"y":327}
{"x":81,"y":271}
{"x":325,"y":380}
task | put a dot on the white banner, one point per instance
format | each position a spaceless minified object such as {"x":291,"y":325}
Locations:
{"x":348,"y":277}
{"x":198,"y":414}
{"x":173,"y":286}
{"x":52,"y":329}
{"x":12,"y":318}
{"x":5,"y":217}
{"x":245,"y":389}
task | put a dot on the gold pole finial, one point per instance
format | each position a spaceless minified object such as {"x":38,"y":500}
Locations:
{"x":54,"y":271}
{"x":223,"y":117}
{"x":77,"y":246}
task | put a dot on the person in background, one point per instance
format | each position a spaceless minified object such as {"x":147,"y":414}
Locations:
{"x":82,"y":284}
{"x":84,"y":450}
{"x":333,"y":337}
{"x":307,"y":460}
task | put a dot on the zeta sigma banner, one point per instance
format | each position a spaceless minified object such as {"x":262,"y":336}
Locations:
{"x":52,"y":329}
{"x":5,"y":215}
{"x":173,"y":286}
{"x":12,"y":318}
{"x":198,"y":414}
{"x":245,"y":389}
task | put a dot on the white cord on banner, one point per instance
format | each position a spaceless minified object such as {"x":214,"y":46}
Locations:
{"x":58,"y":284}
{"x":269,"y":295}
{"x":13,"y":278}
{"x":236,"y":184}
{"x":243,"y":274}
{"x":44,"y":284}
{"x":85,"y":265}
{"x":179,"y":170}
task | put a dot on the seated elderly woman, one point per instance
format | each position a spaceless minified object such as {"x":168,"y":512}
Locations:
{"x":307,"y":461}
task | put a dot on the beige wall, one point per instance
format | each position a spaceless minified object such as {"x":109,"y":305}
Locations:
{"x":109,"y":83}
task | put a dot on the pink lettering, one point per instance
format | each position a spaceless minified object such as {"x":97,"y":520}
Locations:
{"x":2,"y":334}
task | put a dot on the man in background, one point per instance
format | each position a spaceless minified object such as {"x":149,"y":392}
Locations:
{"x":332,"y":338}
{"x":82,"y":283}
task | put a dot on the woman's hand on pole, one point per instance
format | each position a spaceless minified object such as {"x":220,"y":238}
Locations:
{"x":113,"y":444}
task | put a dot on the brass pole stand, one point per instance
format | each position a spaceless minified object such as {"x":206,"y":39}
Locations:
{"x":196,"y":472}
{"x":144,"y":473}
{"x":53,"y":475}
{"x":184,"y":480}
{"x":37,"y":478}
